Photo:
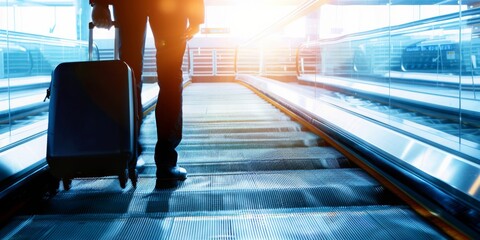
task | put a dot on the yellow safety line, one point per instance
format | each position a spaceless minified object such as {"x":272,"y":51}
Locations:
{"x":421,"y":209}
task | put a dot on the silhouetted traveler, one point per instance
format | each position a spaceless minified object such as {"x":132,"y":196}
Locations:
{"x":173,"y":23}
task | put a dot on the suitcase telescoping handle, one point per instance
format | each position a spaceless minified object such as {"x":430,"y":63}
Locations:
{"x":91,"y":26}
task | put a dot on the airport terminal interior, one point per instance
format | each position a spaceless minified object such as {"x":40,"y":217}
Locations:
{"x":302,"y":119}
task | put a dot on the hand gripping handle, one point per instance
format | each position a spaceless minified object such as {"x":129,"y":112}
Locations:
{"x":91,"y":26}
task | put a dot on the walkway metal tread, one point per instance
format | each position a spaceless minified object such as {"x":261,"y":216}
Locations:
{"x":379,"y":222}
{"x":231,"y":127}
{"x":270,"y":139}
{"x":242,"y":184}
{"x":259,"y":154}
{"x":285,"y":179}
{"x":215,"y":161}
{"x":233,"y":191}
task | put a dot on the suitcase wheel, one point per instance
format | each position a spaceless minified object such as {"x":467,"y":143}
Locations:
{"x":133,"y":175}
{"x":67,"y":183}
{"x":123,"y":178}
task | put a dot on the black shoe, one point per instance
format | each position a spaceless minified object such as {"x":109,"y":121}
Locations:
{"x":170,"y":177}
{"x":171,"y":173}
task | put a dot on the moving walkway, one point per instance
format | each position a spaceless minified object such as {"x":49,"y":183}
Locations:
{"x":254,"y":173}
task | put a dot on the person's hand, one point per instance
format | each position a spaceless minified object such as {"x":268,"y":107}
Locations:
{"x":101,"y":16}
{"x":191,"y":31}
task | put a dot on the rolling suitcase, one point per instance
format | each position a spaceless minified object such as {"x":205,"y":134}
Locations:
{"x":91,"y":128}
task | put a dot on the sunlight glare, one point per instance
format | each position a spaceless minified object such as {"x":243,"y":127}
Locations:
{"x":251,"y":16}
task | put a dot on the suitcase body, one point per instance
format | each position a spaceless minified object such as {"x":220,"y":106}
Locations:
{"x":91,"y":128}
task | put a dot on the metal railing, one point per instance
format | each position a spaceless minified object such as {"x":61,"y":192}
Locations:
{"x":255,"y":61}
{"x":204,"y":62}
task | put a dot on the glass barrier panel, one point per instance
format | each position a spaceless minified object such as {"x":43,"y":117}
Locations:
{"x":469,"y":80}
{"x":416,"y":72}
{"x":30,"y":49}
{"x":4,"y":72}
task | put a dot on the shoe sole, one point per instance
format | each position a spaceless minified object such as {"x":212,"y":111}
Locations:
{"x":168,"y":183}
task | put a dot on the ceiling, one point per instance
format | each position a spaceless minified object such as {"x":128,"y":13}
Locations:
{"x":344,"y":2}
{"x":264,"y":2}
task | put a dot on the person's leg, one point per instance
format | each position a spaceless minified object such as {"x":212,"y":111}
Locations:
{"x":131,"y":20}
{"x":168,"y":32}
{"x":132,"y":23}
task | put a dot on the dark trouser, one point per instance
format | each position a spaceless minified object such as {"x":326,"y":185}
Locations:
{"x":168,"y":29}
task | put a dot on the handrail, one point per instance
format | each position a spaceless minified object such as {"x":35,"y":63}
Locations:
{"x":417,"y":23}
{"x":311,"y":5}
{"x":20,"y":36}
{"x":307,"y":7}
{"x":42,"y":51}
